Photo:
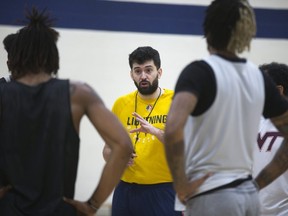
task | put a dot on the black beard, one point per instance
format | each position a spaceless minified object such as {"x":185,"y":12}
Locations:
{"x":150,"y":89}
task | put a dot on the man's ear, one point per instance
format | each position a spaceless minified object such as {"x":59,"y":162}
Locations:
{"x":159,"y":71}
{"x":281,"y":89}
{"x":8,"y":65}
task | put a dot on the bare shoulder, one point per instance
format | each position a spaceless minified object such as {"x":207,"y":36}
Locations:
{"x":83,"y":91}
{"x":80,"y":87}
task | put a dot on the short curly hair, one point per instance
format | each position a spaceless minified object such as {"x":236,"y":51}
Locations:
{"x":143,"y":54}
{"x":279,"y":74}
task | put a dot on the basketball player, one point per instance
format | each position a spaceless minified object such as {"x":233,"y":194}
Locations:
{"x":274,"y":197}
{"x":39,"y":129}
{"x":214,"y":117}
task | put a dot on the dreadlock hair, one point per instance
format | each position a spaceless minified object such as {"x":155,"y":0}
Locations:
{"x":34,"y":49}
{"x":279,"y":74}
{"x":143,"y":54}
{"x":229,"y":25}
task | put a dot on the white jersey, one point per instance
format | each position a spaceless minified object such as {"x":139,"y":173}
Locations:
{"x":274,"y":197}
{"x":210,"y":141}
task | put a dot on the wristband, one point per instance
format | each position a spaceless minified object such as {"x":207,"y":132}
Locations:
{"x":90,"y":203}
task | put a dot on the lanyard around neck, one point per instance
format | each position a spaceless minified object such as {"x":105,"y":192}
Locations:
{"x":135,"y":109}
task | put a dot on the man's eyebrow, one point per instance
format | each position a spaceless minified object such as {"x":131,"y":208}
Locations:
{"x":147,"y":66}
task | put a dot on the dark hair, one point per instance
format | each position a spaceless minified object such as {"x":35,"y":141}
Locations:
{"x":143,"y":54}
{"x":229,"y":25}
{"x":279,"y":74}
{"x":8,"y":41}
{"x":34,"y":49}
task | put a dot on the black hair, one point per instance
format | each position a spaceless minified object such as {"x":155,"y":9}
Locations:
{"x":34,"y":49}
{"x":279,"y":74}
{"x":229,"y":25}
{"x":8,"y":41}
{"x":143,"y":54}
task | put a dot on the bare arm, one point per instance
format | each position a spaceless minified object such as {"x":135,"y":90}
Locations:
{"x":183,"y":104}
{"x":279,"y":163}
{"x":106,"y":152}
{"x":85,"y":101}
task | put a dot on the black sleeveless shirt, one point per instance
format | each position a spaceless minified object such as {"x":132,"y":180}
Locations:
{"x":39,"y":148}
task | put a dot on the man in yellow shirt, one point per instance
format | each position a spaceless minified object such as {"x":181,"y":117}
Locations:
{"x":146,"y":185}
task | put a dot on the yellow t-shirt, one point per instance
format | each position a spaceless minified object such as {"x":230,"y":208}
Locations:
{"x":150,"y":165}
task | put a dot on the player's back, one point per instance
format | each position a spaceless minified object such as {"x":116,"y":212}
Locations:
{"x":39,"y":148}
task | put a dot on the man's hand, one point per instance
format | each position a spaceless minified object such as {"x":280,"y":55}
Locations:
{"x":131,"y":160}
{"x":83,"y":208}
{"x":186,"y":191}
{"x":4,"y":190}
{"x":145,"y":126}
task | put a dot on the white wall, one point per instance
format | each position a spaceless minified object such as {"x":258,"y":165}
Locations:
{"x":100,"y":58}
{"x":279,"y":4}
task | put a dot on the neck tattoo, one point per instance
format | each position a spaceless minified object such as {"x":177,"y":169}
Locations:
{"x":152,"y":108}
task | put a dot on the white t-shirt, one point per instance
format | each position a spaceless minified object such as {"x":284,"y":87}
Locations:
{"x":274,"y":197}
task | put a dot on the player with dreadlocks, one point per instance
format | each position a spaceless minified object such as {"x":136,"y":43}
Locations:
{"x":213,"y":120}
{"x":39,"y":130}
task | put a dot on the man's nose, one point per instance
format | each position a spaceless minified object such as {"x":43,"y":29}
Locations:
{"x":143,"y":75}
